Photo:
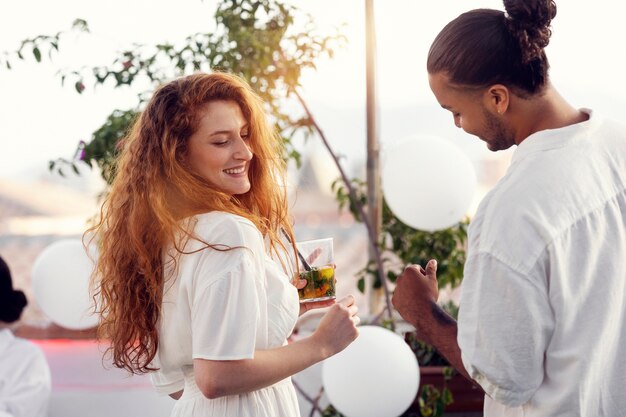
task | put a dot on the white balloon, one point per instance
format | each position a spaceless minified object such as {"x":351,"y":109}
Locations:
{"x":60,"y":279}
{"x":428,"y":182}
{"x":377,"y":375}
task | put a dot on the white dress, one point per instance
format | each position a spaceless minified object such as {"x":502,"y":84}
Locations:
{"x":224,"y":305}
{"x":25,"y":381}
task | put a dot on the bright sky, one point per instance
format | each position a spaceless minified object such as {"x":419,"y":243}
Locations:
{"x":40,"y":120}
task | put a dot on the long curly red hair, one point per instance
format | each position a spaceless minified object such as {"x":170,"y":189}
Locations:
{"x":154,"y":189}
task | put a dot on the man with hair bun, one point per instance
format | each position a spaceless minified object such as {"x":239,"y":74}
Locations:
{"x":543,"y":301}
{"x":25,"y":381}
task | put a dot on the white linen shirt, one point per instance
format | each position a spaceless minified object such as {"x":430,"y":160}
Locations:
{"x":25,"y":381}
{"x":224,"y":305}
{"x":542,"y":319}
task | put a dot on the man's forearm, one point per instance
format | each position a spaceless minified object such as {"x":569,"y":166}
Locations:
{"x":415,"y":299}
{"x":440,"y":331}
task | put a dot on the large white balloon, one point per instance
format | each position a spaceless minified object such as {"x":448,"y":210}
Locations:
{"x":377,"y":375}
{"x":428,"y":182}
{"x":60,"y":279}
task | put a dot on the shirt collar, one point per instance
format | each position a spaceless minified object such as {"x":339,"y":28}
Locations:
{"x":555,"y":138}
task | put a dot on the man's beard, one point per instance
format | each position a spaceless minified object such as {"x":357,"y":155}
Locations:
{"x":497,"y":136}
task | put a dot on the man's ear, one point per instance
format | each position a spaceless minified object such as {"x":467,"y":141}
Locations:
{"x":498,"y":98}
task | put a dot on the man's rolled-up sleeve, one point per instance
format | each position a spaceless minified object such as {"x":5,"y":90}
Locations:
{"x":505,"y":324}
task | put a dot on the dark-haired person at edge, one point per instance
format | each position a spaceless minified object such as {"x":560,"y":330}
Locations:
{"x":542,"y":319}
{"x":189,"y":271}
{"x":25,"y":381}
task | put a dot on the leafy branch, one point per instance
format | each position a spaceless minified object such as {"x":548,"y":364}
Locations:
{"x":401,"y":244}
{"x":250,"y":38}
{"x":39,"y":45}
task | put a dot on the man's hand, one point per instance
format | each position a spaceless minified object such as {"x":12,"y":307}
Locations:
{"x":415,"y":298}
{"x":415,"y":294}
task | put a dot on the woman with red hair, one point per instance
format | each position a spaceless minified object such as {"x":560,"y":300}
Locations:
{"x":188,"y":286}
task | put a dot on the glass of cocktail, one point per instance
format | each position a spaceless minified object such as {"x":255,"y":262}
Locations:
{"x":317,"y":267}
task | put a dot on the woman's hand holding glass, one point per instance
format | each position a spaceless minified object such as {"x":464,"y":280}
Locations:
{"x":338,"y":327}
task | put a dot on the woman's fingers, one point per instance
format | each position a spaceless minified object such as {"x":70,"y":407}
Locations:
{"x":347,"y":301}
{"x":350,"y":304}
{"x":317,"y":304}
{"x":353,"y":309}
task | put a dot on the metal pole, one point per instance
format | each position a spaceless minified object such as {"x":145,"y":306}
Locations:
{"x":374,"y":194}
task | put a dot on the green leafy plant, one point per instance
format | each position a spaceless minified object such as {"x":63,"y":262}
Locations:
{"x":432,"y":400}
{"x":103,"y":147}
{"x":256,"y":39}
{"x":38,"y":45}
{"x":331,"y":411}
{"x":402,"y":245}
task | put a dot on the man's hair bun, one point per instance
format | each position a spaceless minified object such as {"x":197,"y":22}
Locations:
{"x":529,"y":22}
